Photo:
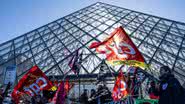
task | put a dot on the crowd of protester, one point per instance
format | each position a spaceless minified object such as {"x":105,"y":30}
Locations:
{"x":39,"y":99}
{"x":101,"y":94}
{"x":44,"y":98}
{"x":168,"y":91}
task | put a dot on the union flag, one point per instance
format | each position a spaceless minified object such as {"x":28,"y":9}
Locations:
{"x":31,"y":83}
{"x":119,"y":49}
{"x":120,"y":89}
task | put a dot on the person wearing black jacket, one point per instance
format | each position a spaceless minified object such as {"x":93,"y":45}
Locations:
{"x":92,"y":98}
{"x":84,"y":97}
{"x":5,"y":93}
{"x":171,"y":92}
{"x":6,"y":89}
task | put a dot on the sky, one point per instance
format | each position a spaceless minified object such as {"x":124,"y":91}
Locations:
{"x":18,"y":17}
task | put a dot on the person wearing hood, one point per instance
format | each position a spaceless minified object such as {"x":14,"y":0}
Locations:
{"x":171,"y":91}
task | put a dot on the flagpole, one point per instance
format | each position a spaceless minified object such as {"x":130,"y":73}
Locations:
{"x":109,"y":69}
{"x":79,"y":87}
{"x":78,"y":71}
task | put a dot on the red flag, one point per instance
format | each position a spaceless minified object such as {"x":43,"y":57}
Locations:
{"x":55,"y":83}
{"x":31,"y":83}
{"x":120,"y":49}
{"x":120,"y":89}
{"x":59,"y":97}
{"x":61,"y":92}
{"x":68,"y":86}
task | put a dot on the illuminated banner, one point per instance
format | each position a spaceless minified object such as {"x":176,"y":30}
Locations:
{"x":32,"y":83}
{"x":120,"y":49}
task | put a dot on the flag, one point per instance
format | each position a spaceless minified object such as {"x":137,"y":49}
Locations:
{"x":68,"y":86}
{"x":32,"y":83}
{"x":75,"y":62}
{"x":72,"y":62}
{"x":62,"y":91}
{"x":119,"y":49}
{"x":120,"y":89}
{"x":59,"y":96}
{"x":55,"y":83}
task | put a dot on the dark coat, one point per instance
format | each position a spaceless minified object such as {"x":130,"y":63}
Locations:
{"x":171,"y":92}
{"x":93,"y":98}
{"x":84,"y":98}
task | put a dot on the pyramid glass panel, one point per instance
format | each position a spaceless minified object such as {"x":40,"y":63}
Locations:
{"x":161,"y":41}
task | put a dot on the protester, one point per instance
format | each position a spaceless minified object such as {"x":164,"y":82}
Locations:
{"x":84,"y":97}
{"x":92,"y":98}
{"x":48,"y":94}
{"x":38,"y":99}
{"x":171,"y":92}
{"x":103,"y":94}
{"x":25,"y":99}
{"x":98,"y":93}
{"x":33,"y":100}
{"x":44,"y":100}
{"x":6,"y":89}
{"x":153,"y":91}
{"x":4,"y":94}
{"x":106,"y":95}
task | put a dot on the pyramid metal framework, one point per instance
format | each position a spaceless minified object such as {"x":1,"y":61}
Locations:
{"x":161,"y":41}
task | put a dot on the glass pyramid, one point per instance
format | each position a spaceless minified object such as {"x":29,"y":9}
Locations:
{"x":161,"y":41}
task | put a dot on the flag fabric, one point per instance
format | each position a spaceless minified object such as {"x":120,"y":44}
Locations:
{"x":68,"y":86}
{"x":62,"y":91}
{"x":55,"y":83}
{"x":59,"y":96}
{"x":75,"y":62}
{"x":32,"y":83}
{"x":120,"y":89}
{"x":72,"y":62}
{"x":120,"y":49}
